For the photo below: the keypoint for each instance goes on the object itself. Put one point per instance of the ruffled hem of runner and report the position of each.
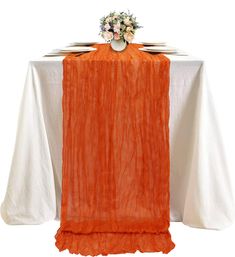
(113, 243)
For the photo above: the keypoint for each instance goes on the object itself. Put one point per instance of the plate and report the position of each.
(82, 43)
(155, 49)
(55, 54)
(77, 49)
(153, 43)
(160, 48)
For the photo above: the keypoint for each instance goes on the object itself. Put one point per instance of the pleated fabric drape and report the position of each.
(115, 185)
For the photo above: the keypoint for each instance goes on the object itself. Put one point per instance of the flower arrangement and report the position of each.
(118, 26)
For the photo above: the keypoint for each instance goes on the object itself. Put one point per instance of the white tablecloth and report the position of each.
(201, 193)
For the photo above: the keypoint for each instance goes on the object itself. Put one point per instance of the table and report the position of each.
(201, 193)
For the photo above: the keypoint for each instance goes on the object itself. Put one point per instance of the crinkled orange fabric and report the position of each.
(115, 186)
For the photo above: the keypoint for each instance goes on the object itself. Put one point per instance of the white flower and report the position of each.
(128, 36)
(123, 26)
(107, 26)
(107, 35)
(129, 29)
(127, 21)
(108, 19)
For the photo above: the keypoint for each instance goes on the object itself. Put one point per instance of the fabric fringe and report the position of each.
(113, 243)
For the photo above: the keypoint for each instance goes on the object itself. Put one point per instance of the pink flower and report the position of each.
(116, 36)
(107, 35)
(128, 36)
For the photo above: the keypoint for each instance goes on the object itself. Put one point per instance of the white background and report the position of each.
(30, 28)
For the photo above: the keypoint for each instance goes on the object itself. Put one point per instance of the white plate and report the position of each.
(153, 43)
(178, 53)
(55, 54)
(82, 43)
(77, 49)
(159, 49)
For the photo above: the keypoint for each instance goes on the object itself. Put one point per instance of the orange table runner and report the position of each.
(115, 186)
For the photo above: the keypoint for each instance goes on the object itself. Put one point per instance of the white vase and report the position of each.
(118, 45)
